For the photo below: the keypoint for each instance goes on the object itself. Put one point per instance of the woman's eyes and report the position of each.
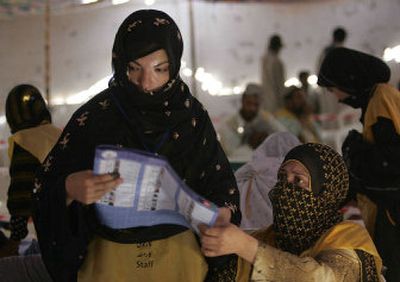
(133, 68)
(162, 70)
(157, 69)
(300, 182)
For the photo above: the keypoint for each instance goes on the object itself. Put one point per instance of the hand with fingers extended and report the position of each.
(227, 239)
(87, 188)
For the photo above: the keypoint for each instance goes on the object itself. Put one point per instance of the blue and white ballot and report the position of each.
(151, 193)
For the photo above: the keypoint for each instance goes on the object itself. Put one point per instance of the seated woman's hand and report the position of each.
(229, 239)
(87, 188)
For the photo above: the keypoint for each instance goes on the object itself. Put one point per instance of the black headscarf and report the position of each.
(144, 32)
(301, 217)
(141, 33)
(353, 72)
(25, 108)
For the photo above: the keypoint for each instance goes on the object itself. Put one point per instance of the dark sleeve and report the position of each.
(368, 267)
(63, 231)
(208, 173)
(375, 166)
(22, 173)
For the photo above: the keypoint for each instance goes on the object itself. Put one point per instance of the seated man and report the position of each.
(246, 129)
(296, 116)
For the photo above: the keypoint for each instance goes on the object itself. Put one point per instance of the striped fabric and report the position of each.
(19, 203)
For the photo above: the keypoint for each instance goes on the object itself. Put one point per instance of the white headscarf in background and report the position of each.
(257, 177)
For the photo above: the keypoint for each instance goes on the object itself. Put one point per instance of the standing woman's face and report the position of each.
(150, 72)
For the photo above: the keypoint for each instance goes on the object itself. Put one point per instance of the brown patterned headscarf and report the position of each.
(301, 216)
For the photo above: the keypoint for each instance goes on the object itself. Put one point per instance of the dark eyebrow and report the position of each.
(162, 63)
(158, 65)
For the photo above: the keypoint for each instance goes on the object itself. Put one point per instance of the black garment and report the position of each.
(375, 168)
(387, 241)
(375, 171)
(19, 196)
(22, 175)
(191, 148)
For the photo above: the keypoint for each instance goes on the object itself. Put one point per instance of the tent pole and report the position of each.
(192, 49)
(47, 65)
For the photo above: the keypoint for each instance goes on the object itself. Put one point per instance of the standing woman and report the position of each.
(148, 107)
(373, 156)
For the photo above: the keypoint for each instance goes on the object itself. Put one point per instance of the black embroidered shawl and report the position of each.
(171, 119)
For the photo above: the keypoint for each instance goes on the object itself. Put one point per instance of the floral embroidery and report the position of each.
(175, 135)
(37, 186)
(169, 85)
(82, 119)
(64, 141)
(47, 164)
(168, 113)
(104, 104)
(133, 25)
(187, 103)
(160, 21)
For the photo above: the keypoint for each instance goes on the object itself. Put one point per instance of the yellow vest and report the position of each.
(177, 258)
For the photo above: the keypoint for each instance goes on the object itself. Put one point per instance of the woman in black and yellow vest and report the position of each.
(146, 107)
(33, 136)
(308, 240)
(373, 156)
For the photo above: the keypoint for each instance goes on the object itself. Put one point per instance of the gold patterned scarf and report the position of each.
(301, 216)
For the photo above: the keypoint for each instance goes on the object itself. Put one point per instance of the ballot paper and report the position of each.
(151, 193)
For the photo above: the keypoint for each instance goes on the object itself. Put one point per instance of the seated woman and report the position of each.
(308, 240)
(257, 177)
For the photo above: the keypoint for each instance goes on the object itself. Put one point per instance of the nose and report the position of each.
(145, 82)
(290, 178)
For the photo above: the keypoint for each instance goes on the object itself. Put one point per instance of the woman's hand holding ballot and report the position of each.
(87, 188)
(226, 238)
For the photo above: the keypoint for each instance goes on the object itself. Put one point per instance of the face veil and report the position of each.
(301, 216)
